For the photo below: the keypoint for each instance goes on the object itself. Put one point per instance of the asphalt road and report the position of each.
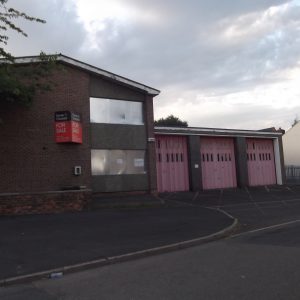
(254, 207)
(264, 264)
(36, 243)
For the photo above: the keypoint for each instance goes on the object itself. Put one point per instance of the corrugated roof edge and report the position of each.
(203, 130)
(92, 69)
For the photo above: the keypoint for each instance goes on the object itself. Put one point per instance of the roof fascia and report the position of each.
(208, 131)
(92, 69)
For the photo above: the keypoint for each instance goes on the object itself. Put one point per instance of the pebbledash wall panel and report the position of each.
(172, 163)
(261, 162)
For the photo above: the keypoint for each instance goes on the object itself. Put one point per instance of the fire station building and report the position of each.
(209, 158)
(93, 133)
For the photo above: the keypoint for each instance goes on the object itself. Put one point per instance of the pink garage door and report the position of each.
(217, 163)
(171, 163)
(261, 164)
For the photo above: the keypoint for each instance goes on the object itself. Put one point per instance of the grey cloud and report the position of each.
(61, 34)
(192, 52)
(184, 50)
(203, 9)
(248, 116)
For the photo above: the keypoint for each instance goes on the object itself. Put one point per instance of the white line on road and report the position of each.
(265, 228)
(258, 203)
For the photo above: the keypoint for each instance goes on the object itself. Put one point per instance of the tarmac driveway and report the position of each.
(41, 242)
(254, 207)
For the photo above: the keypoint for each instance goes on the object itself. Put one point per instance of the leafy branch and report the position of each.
(7, 17)
(19, 83)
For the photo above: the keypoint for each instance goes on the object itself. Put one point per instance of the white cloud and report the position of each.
(218, 63)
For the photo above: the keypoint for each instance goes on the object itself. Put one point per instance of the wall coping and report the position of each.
(47, 192)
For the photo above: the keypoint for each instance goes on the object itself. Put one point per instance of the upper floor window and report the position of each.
(116, 111)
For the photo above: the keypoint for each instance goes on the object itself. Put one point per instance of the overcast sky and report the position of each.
(218, 63)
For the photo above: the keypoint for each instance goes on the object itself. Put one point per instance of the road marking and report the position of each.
(258, 203)
(252, 200)
(265, 228)
(195, 196)
(220, 198)
(222, 211)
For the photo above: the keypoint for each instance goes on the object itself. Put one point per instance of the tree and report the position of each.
(171, 121)
(18, 84)
(7, 15)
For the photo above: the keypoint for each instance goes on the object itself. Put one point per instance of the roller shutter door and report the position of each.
(217, 163)
(261, 163)
(171, 163)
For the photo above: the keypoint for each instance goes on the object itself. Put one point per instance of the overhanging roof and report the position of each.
(92, 69)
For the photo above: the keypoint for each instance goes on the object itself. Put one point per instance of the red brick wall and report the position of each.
(30, 160)
(40, 203)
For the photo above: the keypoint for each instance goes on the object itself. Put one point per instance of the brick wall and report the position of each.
(32, 164)
(40, 203)
(30, 160)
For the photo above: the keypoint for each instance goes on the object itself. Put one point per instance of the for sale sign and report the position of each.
(68, 128)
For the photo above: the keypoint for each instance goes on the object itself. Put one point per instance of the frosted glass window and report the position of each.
(116, 111)
(117, 162)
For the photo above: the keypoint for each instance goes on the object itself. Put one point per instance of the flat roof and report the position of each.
(92, 69)
(214, 131)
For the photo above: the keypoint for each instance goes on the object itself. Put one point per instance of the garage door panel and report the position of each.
(218, 163)
(261, 162)
(172, 163)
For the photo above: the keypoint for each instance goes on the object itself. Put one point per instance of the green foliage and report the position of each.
(7, 16)
(19, 83)
(170, 121)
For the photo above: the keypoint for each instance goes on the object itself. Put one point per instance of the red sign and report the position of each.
(68, 132)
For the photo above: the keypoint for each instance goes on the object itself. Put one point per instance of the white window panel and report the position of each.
(116, 111)
(117, 162)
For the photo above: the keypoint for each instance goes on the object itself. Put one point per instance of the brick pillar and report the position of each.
(194, 163)
(241, 162)
(151, 157)
(282, 160)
